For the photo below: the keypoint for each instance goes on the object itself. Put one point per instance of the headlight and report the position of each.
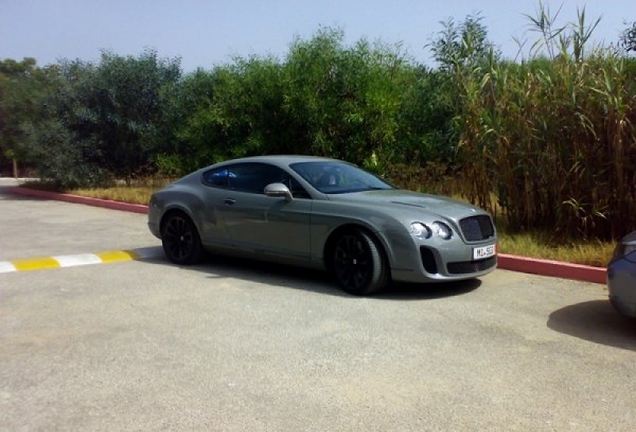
(441, 230)
(418, 229)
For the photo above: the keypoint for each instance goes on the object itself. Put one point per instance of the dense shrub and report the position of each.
(548, 142)
(100, 122)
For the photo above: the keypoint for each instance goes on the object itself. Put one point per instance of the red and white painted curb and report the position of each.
(504, 261)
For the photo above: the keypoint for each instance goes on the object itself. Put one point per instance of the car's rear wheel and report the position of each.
(180, 239)
(358, 263)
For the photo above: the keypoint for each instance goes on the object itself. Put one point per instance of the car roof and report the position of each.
(279, 159)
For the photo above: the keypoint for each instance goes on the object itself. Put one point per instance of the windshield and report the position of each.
(333, 177)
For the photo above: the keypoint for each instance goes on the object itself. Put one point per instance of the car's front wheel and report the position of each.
(358, 263)
(180, 240)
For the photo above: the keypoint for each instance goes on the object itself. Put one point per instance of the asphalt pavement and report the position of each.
(231, 345)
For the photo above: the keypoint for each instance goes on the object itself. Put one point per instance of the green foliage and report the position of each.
(425, 130)
(104, 120)
(628, 37)
(549, 142)
(464, 45)
(321, 93)
(185, 104)
(231, 111)
(326, 98)
(61, 159)
(368, 103)
(120, 108)
(22, 86)
(570, 39)
(553, 138)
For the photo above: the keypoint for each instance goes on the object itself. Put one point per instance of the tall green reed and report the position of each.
(552, 137)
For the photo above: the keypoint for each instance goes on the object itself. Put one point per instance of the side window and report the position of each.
(218, 177)
(252, 177)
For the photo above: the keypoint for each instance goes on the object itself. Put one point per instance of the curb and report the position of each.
(505, 262)
(61, 261)
(76, 199)
(552, 268)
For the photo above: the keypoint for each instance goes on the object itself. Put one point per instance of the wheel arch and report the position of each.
(176, 209)
(181, 241)
(330, 243)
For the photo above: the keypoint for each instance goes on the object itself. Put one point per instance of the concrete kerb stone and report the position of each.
(552, 268)
(504, 261)
(76, 199)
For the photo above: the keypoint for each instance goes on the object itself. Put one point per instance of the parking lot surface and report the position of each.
(231, 345)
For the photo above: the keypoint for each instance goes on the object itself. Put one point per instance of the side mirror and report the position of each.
(278, 190)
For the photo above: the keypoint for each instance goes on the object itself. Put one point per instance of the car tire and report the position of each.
(180, 240)
(358, 263)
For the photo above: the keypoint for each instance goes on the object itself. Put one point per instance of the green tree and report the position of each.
(367, 103)
(344, 101)
(23, 85)
(426, 132)
(232, 111)
(186, 104)
(463, 45)
(105, 122)
(62, 142)
(124, 105)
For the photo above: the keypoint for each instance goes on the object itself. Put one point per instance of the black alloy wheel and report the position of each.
(358, 264)
(180, 240)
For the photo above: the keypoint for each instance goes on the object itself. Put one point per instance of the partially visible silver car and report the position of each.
(621, 276)
(326, 214)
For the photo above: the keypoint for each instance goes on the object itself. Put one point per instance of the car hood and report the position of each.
(402, 200)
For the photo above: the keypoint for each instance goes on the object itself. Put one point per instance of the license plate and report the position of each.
(484, 252)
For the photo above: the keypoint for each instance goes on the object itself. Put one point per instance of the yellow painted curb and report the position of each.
(35, 264)
(114, 256)
(61, 261)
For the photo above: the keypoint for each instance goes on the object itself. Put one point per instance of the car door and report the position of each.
(261, 224)
(214, 229)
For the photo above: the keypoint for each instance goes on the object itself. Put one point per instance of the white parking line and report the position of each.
(6, 266)
(77, 260)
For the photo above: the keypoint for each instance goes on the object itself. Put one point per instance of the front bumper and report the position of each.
(437, 260)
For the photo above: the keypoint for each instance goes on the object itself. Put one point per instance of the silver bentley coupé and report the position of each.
(322, 213)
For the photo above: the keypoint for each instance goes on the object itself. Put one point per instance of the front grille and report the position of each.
(476, 228)
(471, 266)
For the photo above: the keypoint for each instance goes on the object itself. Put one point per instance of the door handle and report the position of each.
(229, 201)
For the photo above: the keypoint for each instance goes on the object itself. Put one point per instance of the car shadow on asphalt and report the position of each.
(432, 291)
(315, 280)
(595, 321)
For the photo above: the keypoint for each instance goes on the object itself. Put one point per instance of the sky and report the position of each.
(213, 32)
